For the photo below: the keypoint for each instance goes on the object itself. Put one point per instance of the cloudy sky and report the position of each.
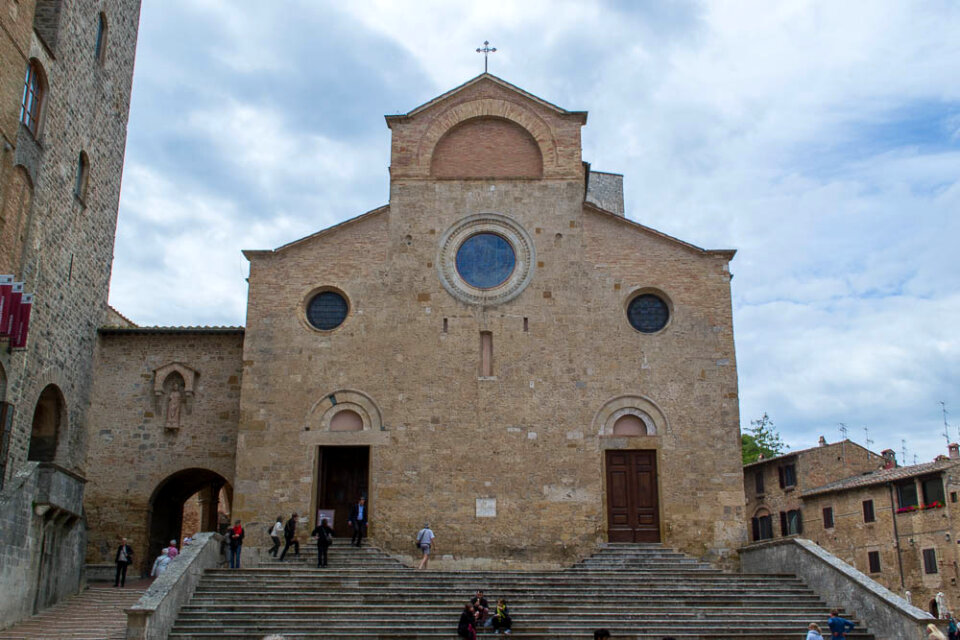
(820, 139)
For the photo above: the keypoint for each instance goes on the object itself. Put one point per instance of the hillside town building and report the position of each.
(897, 525)
(66, 70)
(498, 350)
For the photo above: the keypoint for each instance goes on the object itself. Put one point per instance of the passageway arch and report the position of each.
(165, 519)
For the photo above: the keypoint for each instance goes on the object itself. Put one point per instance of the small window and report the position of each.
(873, 559)
(828, 517)
(101, 47)
(763, 527)
(83, 170)
(930, 561)
(34, 90)
(932, 490)
(953, 496)
(907, 495)
(486, 354)
(788, 476)
(868, 515)
(758, 479)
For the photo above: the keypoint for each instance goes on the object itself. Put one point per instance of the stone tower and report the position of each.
(66, 69)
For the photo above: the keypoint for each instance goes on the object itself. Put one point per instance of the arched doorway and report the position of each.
(48, 421)
(167, 502)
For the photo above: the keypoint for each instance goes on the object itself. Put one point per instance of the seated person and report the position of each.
(481, 609)
(501, 618)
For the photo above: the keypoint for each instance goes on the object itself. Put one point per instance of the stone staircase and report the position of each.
(636, 591)
(96, 613)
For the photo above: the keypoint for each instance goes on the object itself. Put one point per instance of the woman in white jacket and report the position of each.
(275, 533)
(160, 564)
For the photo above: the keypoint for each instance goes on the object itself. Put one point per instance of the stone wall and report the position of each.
(66, 253)
(885, 614)
(526, 439)
(131, 437)
(899, 538)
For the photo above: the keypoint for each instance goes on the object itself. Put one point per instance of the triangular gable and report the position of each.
(728, 253)
(248, 253)
(492, 78)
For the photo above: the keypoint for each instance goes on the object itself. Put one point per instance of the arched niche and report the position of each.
(629, 416)
(345, 410)
(489, 108)
(49, 417)
(487, 147)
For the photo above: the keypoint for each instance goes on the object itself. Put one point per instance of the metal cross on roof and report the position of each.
(486, 50)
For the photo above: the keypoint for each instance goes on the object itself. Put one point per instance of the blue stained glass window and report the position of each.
(327, 310)
(485, 260)
(648, 313)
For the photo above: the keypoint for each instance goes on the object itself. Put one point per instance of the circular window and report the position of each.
(327, 310)
(648, 313)
(485, 260)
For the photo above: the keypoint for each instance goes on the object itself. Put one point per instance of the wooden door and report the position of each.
(633, 513)
(343, 479)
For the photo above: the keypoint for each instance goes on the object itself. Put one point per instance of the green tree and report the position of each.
(761, 438)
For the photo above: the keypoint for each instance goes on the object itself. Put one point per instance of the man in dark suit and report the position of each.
(358, 520)
(124, 559)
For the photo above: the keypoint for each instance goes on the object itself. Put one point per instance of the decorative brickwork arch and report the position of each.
(629, 412)
(489, 108)
(487, 148)
(325, 413)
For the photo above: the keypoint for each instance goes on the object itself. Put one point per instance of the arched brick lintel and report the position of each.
(489, 108)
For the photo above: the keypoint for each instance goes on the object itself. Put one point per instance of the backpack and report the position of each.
(327, 537)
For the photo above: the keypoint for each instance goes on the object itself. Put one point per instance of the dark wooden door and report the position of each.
(633, 513)
(343, 479)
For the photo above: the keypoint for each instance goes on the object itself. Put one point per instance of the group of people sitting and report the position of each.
(476, 614)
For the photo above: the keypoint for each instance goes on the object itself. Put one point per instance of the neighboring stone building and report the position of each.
(163, 421)
(898, 525)
(66, 70)
(498, 350)
(773, 487)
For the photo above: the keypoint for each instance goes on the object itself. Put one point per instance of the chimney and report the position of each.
(889, 459)
(823, 441)
(954, 450)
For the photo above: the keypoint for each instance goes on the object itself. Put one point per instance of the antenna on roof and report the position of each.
(843, 439)
(903, 450)
(946, 430)
(866, 437)
(914, 459)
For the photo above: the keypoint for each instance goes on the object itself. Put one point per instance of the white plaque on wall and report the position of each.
(486, 507)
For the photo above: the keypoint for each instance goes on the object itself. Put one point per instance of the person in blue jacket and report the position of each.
(838, 626)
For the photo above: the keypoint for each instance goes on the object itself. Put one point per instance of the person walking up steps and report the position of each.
(275, 532)
(425, 540)
(290, 537)
(324, 535)
(838, 626)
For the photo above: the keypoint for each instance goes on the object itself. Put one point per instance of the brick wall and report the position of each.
(487, 148)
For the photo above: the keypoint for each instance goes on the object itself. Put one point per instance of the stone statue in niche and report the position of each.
(174, 402)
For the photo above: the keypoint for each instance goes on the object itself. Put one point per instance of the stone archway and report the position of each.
(165, 516)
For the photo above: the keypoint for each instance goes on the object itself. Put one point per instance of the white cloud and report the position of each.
(819, 138)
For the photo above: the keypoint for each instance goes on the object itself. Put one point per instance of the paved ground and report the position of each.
(94, 614)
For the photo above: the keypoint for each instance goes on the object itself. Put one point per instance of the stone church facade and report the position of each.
(498, 351)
